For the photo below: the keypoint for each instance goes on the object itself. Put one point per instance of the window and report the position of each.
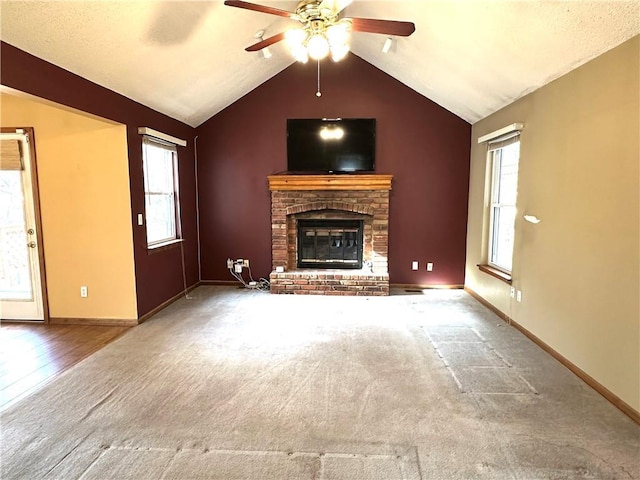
(159, 162)
(504, 156)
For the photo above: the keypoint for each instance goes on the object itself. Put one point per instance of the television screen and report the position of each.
(341, 145)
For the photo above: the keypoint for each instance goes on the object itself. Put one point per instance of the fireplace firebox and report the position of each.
(330, 243)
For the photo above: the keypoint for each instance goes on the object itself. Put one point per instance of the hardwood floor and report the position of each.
(32, 354)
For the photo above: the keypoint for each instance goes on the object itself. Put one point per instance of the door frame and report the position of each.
(35, 192)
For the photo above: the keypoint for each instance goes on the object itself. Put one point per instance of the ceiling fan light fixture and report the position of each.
(300, 54)
(295, 37)
(319, 38)
(318, 46)
(322, 32)
(339, 52)
(338, 34)
(317, 41)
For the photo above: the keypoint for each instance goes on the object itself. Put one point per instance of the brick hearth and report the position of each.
(364, 197)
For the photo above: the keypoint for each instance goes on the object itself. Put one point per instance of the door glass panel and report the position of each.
(15, 271)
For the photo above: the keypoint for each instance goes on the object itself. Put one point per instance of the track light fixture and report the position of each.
(266, 53)
(387, 45)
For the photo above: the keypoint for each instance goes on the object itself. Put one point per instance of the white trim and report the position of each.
(172, 194)
(496, 157)
(27, 308)
(164, 243)
(162, 136)
(514, 127)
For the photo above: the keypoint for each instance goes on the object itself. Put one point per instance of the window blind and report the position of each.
(149, 140)
(162, 136)
(501, 133)
(10, 158)
(504, 141)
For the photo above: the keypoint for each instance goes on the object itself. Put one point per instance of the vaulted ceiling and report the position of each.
(186, 59)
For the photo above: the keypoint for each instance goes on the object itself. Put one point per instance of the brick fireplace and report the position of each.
(362, 198)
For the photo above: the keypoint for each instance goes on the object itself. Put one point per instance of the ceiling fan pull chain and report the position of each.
(318, 93)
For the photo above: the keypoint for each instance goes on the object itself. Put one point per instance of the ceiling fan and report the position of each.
(322, 31)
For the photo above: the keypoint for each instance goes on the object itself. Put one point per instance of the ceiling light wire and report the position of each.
(318, 92)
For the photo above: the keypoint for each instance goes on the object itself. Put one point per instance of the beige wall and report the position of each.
(579, 173)
(86, 210)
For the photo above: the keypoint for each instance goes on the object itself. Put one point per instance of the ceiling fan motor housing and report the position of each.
(310, 10)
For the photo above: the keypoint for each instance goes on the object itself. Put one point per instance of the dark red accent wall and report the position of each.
(423, 145)
(158, 276)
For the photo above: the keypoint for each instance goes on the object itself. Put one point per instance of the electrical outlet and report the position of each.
(229, 263)
(245, 262)
(519, 296)
(238, 268)
(513, 292)
(84, 291)
(430, 267)
(414, 265)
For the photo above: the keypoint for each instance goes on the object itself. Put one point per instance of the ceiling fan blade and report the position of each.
(259, 8)
(265, 43)
(386, 27)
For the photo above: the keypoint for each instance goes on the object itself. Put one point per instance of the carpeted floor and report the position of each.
(237, 384)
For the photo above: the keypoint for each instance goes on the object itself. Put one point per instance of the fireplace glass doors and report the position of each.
(330, 243)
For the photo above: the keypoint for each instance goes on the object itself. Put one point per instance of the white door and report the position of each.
(21, 296)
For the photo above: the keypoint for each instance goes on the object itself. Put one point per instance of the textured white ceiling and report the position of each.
(186, 58)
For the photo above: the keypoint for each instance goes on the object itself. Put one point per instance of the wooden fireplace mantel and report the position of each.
(330, 182)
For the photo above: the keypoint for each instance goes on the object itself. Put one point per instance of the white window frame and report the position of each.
(171, 193)
(495, 153)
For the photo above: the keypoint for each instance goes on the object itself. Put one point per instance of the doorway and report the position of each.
(22, 284)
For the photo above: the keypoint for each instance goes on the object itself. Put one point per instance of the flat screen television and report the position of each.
(338, 145)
